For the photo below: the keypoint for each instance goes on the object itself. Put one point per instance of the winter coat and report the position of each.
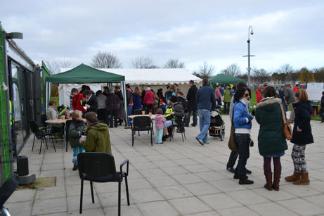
(192, 98)
(98, 139)
(92, 102)
(137, 99)
(178, 109)
(148, 98)
(184, 103)
(76, 128)
(77, 102)
(303, 111)
(101, 101)
(112, 102)
(206, 98)
(271, 139)
(289, 95)
(241, 116)
(258, 95)
(129, 97)
(227, 96)
(159, 121)
(218, 94)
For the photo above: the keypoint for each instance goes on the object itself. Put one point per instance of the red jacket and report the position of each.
(296, 89)
(258, 95)
(77, 102)
(148, 98)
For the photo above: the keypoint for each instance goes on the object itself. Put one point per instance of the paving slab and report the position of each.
(176, 178)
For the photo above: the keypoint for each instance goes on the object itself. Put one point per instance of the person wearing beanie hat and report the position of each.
(97, 139)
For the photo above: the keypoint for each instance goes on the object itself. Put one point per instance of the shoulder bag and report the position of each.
(286, 126)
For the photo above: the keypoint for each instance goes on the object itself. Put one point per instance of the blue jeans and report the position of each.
(204, 122)
(129, 112)
(158, 135)
(76, 150)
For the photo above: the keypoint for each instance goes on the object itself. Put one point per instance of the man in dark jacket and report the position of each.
(91, 101)
(192, 104)
(205, 103)
(112, 105)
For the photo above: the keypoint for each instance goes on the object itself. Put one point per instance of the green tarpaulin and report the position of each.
(85, 74)
(225, 79)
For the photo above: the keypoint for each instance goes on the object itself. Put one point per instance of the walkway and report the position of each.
(176, 178)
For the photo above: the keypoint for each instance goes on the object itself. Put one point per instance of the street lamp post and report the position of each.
(250, 32)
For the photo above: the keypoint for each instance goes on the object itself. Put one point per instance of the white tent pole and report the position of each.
(122, 83)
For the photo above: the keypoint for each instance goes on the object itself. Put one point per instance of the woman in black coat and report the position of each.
(302, 135)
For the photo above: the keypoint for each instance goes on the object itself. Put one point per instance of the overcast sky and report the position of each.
(212, 31)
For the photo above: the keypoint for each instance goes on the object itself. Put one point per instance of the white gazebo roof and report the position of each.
(156, 76)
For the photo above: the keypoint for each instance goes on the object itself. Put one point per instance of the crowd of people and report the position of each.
(103, 109)
(270, 114)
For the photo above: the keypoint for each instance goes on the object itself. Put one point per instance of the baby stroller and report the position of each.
(217, 125)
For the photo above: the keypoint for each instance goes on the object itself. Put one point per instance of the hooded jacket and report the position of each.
(98, 139)
(271, 139)
(302, 119)
(75, 131)
(241, 117)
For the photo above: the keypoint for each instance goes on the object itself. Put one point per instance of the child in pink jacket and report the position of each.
(159, 125)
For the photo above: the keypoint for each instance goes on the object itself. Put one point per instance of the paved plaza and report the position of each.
(176, 178)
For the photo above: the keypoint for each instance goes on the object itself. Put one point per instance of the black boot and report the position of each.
(245, 181)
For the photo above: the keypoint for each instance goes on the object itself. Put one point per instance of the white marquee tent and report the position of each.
(156, 78)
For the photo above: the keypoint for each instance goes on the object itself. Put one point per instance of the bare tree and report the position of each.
(205, 71)
(174, 63)
(55, 66)
(105, 60)
(261, 75)
(286, 68)
(143, 62)
(232, 70)
(286, 71)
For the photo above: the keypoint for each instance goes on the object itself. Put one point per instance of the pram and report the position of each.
(217, 125)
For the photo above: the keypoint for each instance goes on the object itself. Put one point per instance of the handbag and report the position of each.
(286, 126)
(231, 141)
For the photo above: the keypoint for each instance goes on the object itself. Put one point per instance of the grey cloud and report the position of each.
(194, 31)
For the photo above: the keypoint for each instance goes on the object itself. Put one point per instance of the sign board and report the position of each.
(314, 91)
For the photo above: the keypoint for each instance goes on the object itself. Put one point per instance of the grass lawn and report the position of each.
(316, 118)
(253, 98)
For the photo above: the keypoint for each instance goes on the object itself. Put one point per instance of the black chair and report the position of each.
(41, 134)
(142, 123)
(178, 127)
(100, 167)
(137, 112)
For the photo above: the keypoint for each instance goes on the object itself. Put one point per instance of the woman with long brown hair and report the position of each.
(302, 135)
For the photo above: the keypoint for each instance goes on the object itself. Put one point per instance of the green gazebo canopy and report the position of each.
(85, 74)
(225, 79)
